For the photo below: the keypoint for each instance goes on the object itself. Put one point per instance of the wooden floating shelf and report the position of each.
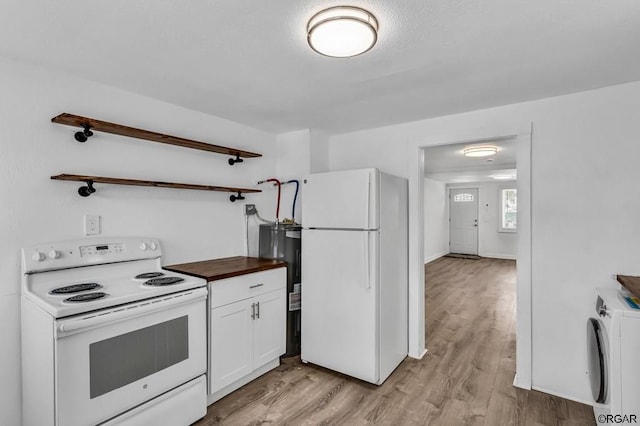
(85, 191)
(118, 129)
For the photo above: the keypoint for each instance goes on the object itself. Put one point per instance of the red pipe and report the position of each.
(277, 182)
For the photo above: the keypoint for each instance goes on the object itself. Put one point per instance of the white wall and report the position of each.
(292, 163)
(436, 220)
(192, 225)
(584, 206)
(491, 243)
(319, 151)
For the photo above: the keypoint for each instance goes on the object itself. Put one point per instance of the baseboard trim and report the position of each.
(561, 395)
(499, 256)
(420, 356)
(435, 257)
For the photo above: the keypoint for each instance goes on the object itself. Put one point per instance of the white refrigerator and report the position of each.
(355, 272)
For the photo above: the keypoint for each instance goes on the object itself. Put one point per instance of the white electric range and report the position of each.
(108, 337)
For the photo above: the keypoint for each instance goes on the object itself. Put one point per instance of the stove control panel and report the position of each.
(101, 249)
(89, 251)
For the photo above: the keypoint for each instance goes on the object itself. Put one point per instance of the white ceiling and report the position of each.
(447, 163)
(248, 60)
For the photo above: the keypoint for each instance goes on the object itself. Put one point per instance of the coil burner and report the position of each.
(75, 288)
(163, 281)
(87, 297)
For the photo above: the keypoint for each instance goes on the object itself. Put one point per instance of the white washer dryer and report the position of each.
(613, 342)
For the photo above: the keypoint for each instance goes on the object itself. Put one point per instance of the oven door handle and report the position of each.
(131, 311)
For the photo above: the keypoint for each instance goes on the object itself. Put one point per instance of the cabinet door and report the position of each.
(231, 343)
(269, 327)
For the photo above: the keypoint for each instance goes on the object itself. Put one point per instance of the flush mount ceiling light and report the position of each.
(342, 31)
(503, 177)
(480, 151)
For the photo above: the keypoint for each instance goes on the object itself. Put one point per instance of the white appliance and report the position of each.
(355, 272)
(613, 341)
(108, 337)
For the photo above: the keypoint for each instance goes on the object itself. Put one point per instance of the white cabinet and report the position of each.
(231, 343)
(247, 328)
(269, 335)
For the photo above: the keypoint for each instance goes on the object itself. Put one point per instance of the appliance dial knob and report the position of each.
(38, 257)
(54, 254)
(153, 246)
(143, 246)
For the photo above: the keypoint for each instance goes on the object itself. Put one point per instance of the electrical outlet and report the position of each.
(250, 209)
(91, 224)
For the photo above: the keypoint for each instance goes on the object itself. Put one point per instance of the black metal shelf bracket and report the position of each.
(233, 161)
(233, 198)
(83, 135)
(85, 191)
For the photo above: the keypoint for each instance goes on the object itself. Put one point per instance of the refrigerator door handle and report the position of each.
(367, 209)
(367, 259)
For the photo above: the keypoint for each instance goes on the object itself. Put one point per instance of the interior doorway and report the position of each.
(432, 241)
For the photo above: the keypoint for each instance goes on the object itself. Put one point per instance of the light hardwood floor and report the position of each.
(465, 378)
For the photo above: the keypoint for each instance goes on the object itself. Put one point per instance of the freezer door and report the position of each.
(340, 301)
(343, 200)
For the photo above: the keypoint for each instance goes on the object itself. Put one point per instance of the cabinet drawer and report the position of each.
(230, 290)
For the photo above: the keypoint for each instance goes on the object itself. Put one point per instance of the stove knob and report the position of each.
(153, 246)
(143, 246)
(38, 257)
(54, 254)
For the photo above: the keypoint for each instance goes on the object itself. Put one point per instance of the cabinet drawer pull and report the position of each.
(256, 285)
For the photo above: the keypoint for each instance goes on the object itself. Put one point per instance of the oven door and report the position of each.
(110, 361)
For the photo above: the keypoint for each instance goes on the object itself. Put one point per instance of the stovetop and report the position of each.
(87, 281)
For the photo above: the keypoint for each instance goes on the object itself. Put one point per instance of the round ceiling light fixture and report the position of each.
(342, 31)
(480, 151)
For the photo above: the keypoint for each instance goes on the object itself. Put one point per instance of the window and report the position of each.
(508, 210)
(462, 198)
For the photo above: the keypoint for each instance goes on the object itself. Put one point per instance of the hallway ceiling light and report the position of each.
(503, 177)
(480, 151)
(342, 31)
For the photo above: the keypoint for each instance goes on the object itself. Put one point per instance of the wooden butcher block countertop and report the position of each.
(217, 269)
(630, 283)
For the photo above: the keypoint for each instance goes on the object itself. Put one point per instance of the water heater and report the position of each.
(283, 242)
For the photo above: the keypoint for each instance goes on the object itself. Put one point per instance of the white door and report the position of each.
(231, 343)
(339, 302)
(269, 327)
(341, 200)
(463, 221)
